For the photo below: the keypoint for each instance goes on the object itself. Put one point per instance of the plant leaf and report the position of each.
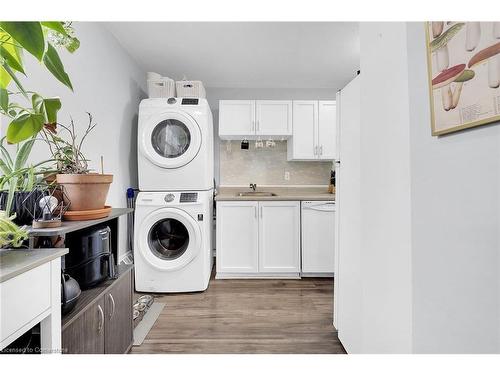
(5, 78)
(74, 45)
(47, 107)
(4, 100)
(28, 34)
(23, 154)
(10, 195)
(14, 78)
(52, 106)
(54, 64)
(10, 52)
(24, 126)
(6, 156)
(55, 25)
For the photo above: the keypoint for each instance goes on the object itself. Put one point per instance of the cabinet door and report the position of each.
(305, 126)
(274, 117)
(327, 130)
(86, 334)
(118, 313)
(236, 118)
(279, 237)
(237, 237)
(318, 237)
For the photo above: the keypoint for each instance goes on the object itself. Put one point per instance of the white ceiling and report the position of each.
(246, 54)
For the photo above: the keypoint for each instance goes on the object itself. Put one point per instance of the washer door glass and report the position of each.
(168, 239)
(171, 138)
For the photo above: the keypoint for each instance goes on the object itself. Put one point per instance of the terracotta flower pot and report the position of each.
(85, 191)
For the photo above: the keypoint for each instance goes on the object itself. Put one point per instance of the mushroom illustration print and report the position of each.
(440, 45)
(443, 81)
(466, 75)
(472, 35)
(437, 29)
(491, 55)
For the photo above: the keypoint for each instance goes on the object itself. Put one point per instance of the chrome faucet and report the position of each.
(253, 187)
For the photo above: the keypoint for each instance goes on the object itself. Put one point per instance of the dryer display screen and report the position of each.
(188, 197)
(189, 101)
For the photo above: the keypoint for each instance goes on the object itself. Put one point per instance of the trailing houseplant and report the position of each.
(11, 235)
(40, 40)
(17, 182)
(85, 190)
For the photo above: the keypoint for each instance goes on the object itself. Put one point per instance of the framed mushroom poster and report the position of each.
(464, 73)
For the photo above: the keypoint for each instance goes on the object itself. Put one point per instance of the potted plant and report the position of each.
(10, 234)
(86, 191)
(18, 194)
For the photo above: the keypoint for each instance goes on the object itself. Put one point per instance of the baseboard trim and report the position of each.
(277, 276)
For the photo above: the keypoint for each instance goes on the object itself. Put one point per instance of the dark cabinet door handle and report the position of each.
(112, 304)
(101, 318)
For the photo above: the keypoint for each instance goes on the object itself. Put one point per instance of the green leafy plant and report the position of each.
(67, 153)
(11, 235)
(39, 39)
(16, 175)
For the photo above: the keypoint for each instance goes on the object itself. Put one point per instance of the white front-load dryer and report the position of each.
(172, 241)
(175, 145)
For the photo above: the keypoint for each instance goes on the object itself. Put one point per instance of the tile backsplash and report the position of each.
(267, 166)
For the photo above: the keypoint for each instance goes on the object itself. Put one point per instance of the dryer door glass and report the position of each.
(171, 138)
(168, 239)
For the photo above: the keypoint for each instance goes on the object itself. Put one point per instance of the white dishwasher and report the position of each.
(318, 238)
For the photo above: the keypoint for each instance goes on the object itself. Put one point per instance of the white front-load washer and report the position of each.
(173, 232)
(175, 145)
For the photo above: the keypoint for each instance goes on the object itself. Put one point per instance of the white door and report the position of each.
(305, 125)
(237, 237)
(170, 139)
(348, 288)
(274, 117)
(279, 237)
(169, 238)
(318, 237)
(236, 117)
(327, 129)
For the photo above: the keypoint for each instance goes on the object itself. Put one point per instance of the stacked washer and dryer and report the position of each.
(173, 215)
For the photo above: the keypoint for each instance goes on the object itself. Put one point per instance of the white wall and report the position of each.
(385, 189)
(108, 83)
(214, 94)
(430, 212)
(455, 225)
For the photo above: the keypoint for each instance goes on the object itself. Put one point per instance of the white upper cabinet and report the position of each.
(305, 126)
(250, 119)
(327, 130)
(314, 130)
(274, 117)
(236, 118)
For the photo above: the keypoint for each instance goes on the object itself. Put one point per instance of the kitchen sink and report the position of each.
(256, 194)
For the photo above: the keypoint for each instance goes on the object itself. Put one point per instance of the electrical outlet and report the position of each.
(287, 176)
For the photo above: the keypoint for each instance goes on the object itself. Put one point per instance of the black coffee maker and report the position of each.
(90, 259)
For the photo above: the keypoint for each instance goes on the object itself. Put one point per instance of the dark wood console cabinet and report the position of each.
(101, 322)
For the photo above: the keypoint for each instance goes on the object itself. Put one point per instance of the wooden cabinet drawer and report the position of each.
(22, 300)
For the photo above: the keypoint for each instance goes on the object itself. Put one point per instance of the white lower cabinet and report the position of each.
(237, 237)
(258, 239)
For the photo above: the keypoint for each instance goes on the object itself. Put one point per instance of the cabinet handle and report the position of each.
(101, 318)
(315, 150)
(321, 150)
(112, 304)
(258, 125)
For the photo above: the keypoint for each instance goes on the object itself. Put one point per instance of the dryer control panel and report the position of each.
(188, 197)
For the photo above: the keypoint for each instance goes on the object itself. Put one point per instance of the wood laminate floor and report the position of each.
(247, 316)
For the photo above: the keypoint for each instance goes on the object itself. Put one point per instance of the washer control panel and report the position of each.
(188, 197)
